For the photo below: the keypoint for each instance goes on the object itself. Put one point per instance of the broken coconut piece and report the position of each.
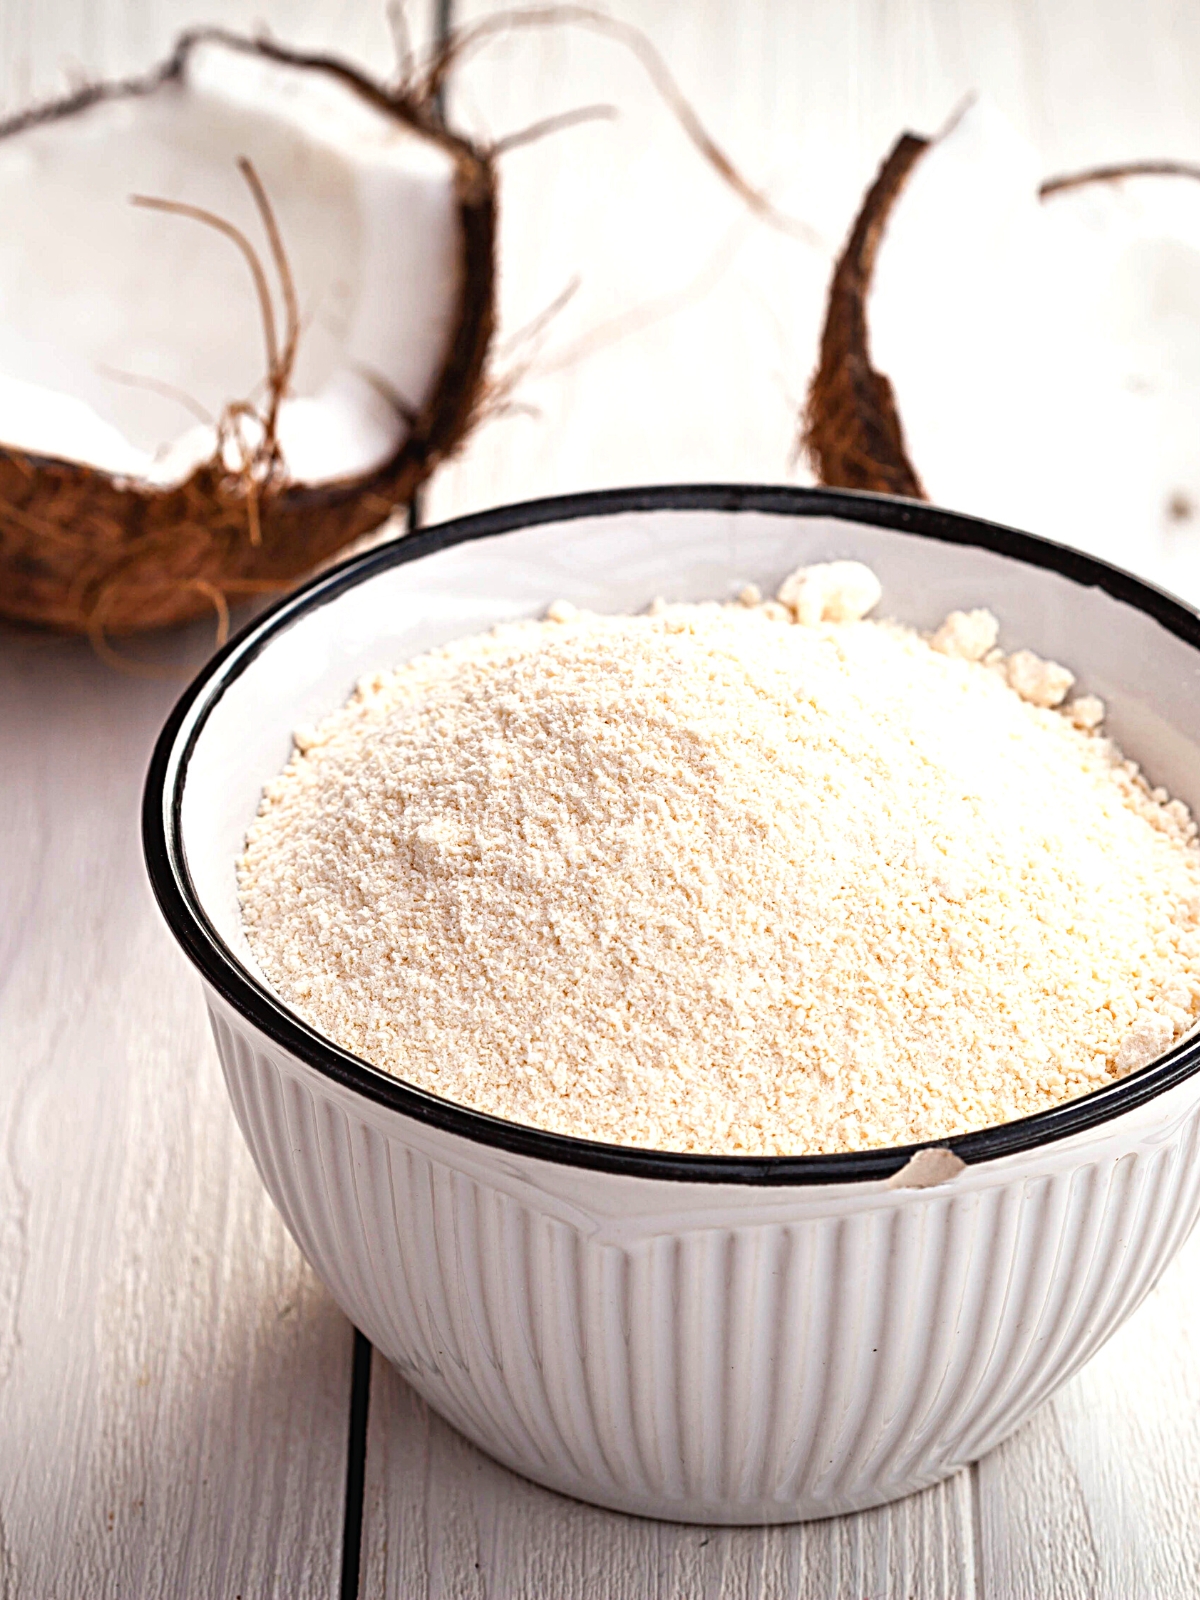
(830, 591)
(1042, 683)
(1149, 1037)
(162, 440)
(1062, 316)
(851, 429)
(968, 635)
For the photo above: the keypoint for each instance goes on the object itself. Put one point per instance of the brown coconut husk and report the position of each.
(1113, 174)
(83, 551)
(851, 429)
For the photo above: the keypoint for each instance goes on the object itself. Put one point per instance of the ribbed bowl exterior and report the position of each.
(731, 1353)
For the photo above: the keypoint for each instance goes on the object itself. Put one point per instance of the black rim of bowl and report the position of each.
(173, 888)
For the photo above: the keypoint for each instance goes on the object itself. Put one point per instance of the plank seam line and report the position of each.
(356, 1465)
(360, 1370)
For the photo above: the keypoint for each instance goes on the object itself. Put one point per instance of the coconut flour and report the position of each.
(761, 877)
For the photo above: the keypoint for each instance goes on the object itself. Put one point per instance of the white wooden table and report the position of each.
(176, 1395)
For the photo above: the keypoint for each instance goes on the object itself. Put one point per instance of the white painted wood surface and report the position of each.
(173, 1381)
(174, 1384)
(1100, 1494)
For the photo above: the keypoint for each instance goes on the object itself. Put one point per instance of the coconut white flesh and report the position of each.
(95, 292)
(1045, 355)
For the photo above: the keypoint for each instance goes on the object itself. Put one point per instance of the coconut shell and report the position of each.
(851, 429)
(83, 551)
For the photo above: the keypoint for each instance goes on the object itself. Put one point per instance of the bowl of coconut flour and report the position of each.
(709, 975)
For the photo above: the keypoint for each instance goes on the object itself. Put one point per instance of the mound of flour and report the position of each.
(717, 879)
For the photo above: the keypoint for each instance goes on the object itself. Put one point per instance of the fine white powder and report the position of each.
(716, 879)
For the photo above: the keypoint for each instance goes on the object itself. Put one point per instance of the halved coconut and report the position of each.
(1039, 345)
(149, 467)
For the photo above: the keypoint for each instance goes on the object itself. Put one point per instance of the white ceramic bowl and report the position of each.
(711, 1339)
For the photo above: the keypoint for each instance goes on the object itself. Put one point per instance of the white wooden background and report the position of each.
(174, 1383)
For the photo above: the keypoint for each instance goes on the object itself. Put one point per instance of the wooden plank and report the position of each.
(682, 356)
(174, 1383)
(686, 350)
(683, 350)
(1099, 1495)
(690, 299)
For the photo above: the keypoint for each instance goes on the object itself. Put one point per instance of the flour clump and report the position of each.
(714, 879)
